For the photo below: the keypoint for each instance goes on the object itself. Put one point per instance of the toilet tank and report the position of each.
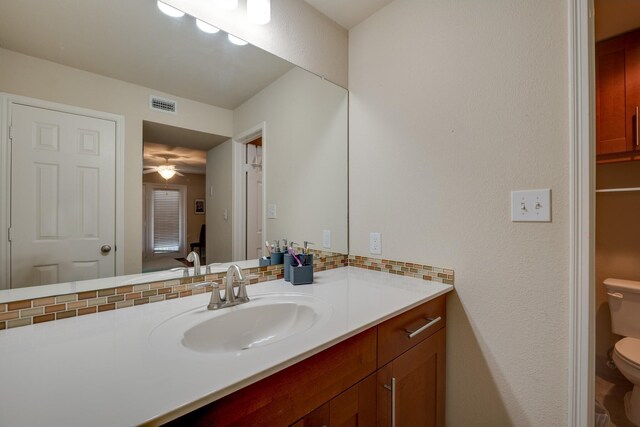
(624, 303)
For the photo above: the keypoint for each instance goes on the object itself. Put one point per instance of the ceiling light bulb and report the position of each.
(259, 11)
(236, 40)
(170, 10)
(167, 172)
(226, 4)
(207, 28)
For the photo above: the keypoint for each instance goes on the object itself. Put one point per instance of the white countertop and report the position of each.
(102, 370)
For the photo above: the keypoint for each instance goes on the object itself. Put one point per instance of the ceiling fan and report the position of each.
(167, 171)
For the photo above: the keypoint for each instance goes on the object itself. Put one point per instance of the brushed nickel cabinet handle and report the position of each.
(430, 322)
(392, 387)
(637, 130)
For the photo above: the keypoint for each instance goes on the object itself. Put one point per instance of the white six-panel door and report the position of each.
(62, 197)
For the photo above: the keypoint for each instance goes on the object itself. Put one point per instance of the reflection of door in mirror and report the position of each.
(62, 194)
(254, 202)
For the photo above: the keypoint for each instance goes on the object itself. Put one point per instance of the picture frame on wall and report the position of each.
(198, 207)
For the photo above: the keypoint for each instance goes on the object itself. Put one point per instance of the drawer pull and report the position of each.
(392, 389)
(430, 322)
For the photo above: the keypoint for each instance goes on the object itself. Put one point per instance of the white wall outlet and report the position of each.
(326, 239)
(271, 211)
(531, 206)
(375, 243)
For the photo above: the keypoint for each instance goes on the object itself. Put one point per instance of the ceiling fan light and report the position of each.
(206, 28)
(259, 11)
(226, 4)
(170, 10)
(236, 40)
(167, 172)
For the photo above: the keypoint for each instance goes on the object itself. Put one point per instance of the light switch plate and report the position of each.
(271, 211)
(326, 239)
(531, 206)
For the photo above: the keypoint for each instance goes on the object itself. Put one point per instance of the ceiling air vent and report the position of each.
(163, 104)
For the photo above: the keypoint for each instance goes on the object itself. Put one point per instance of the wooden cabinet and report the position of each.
(393, 371)
(618, 98)
(410, 389)
(355, 407)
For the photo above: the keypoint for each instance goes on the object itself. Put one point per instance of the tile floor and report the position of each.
(611, 387)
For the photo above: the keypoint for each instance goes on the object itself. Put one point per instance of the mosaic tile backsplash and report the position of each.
(28, 312)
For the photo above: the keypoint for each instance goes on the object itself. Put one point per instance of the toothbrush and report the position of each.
(306, 249)
(268, 247)
(293, 254)
(277, 245)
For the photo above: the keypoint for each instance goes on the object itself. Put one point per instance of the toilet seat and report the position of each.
(629, 350)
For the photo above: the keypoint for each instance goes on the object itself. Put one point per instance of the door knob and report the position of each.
(105, 249)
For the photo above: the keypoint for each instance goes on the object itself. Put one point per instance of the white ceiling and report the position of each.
(184, 148)
(135, 42)
(348, 13)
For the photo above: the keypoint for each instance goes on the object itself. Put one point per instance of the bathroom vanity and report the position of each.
(344, 356)
(384, 376)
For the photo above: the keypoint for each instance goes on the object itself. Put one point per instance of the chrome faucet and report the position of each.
(234, 275)
(195, 259)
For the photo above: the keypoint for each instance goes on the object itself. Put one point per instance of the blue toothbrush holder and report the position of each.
(277, 258)
(263, 262)
(288, 261)
(301, 275)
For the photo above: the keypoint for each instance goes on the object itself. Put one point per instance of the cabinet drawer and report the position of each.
(399, 334)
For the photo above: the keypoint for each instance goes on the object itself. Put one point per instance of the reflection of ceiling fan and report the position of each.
(167, 171)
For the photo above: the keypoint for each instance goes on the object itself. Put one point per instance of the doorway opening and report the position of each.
(617, 197)
(249, 193)
(174, 179)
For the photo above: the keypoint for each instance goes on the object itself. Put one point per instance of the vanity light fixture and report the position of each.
(259, 11)
(167, 172)
(206, 28)
(170, 10)
(236, 40)
(226, 4)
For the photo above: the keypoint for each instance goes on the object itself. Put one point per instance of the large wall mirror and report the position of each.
(130, 138)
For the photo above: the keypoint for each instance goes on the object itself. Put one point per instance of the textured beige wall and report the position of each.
(36, 78)
(297, 32)
(617, 244)
(305, 156)
(220, 179)
(454, 104)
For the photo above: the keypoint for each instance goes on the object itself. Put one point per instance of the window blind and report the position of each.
(166, 220)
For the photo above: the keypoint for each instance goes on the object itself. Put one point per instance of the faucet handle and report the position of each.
(216, 300)
(185, 271)
(207, 283)
(242, 290)
(207, 270)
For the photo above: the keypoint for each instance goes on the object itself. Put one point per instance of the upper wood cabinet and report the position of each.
(618, 98)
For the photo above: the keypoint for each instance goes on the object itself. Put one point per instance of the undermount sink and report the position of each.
(264, 320)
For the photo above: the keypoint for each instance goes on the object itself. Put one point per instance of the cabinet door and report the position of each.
(612, 128)
(317, 418)
(355, 407)
(632, 81)
(410, 389)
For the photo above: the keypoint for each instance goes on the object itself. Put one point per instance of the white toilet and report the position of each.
(624, 302)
